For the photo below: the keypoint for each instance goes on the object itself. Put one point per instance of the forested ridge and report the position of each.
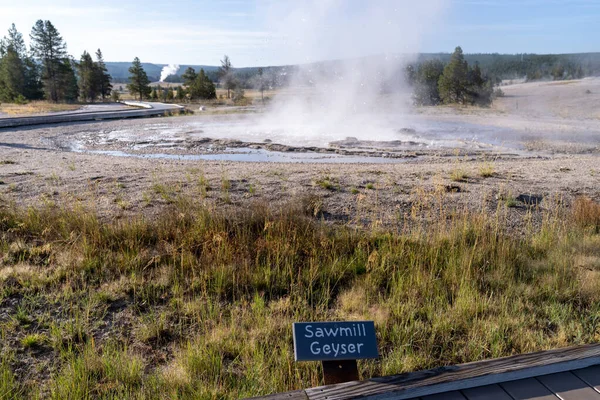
(47, 71)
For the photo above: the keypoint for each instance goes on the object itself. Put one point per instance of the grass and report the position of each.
(36, 107)
(198, 302)
(33, 341)
(459, 175)
(486, 170)
(328, 183)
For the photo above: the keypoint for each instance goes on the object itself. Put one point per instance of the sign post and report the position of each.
(337, 345)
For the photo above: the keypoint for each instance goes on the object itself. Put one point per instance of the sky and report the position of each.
(277, 32)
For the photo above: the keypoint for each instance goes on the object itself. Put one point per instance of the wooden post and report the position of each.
(339, 371)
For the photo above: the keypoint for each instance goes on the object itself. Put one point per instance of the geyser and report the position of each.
(362, 93)
(167, 70)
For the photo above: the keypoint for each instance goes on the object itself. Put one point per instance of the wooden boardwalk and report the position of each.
(569, 374)
(154, 109)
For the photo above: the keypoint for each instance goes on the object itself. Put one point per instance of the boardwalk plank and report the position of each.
(448, 379)
(297, 395)
(490, 392)
(569, 387)
(591, 376)
(445, 396)
(526, 389)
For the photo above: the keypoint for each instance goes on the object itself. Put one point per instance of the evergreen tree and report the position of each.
(49, 48)
(139, 84)
(189, 76)
(34, 88)
(15, 41)
(154, 95)
(475, 76)
(68, 90)
(170, 94)
(426, 79)
(12, 77)
(226, 75)
(114, 96)
(180, 93)
(453, 83)
(202, 87)
(19, 76)
(480, 89)
(103, 77)
(88, 78)
(261, 84)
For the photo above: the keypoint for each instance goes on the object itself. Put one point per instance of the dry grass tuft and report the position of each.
(36, 107)
(198, 302)
(586, 213)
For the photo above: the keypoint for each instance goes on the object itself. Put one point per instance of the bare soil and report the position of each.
(559, 158)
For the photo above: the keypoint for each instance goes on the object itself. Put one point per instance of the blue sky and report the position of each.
(274, 32)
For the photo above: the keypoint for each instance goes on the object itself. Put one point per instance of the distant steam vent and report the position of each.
(168, 70)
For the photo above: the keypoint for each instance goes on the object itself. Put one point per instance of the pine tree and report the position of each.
(426, 80)
(209, 91)
(139, 84)
(19, 78)
(14, 40)
(34, 88)
(189, 76)
(154, 95)
(261, 84)
(170, 94)
(114, 96)
(12, 77)
(480, 89)
(453, 83)
(49, 48)
(103, 77)
(68, 90)
(180, 93)
(226, 75)
(88, 78)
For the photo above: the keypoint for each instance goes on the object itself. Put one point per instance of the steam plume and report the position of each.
(363, 94)
(167, 70)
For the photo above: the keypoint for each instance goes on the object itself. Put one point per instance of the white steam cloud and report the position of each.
(167, 70)
(361, 95)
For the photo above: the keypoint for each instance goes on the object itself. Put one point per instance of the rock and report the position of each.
(407, 130)
(529, 199)
(453, 189)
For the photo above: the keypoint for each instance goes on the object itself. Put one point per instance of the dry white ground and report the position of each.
(558, 122)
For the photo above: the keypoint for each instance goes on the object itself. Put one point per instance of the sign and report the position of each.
(330, 341)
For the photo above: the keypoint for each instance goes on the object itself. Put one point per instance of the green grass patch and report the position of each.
(198, 302)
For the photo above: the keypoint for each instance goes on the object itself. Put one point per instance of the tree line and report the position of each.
(47, 71)
(196, 85)
(455, 82)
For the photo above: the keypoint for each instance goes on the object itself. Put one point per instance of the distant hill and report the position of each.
(499, 66)
(530, 66)
(119, 70)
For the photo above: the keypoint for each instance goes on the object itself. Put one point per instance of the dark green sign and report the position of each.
(328, 341)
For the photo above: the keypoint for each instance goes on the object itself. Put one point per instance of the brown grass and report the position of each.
(586, 213)
(36, 107)
(198, 302)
